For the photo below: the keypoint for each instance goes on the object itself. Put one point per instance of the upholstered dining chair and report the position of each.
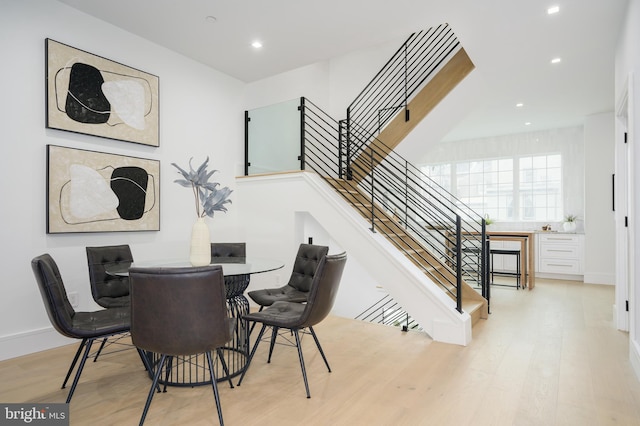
(87, 326)
(297, 288)
(109, 291)
(179, 311)
(299, 316)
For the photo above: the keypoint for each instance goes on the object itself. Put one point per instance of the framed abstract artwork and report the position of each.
(90, 191)
(89, 94)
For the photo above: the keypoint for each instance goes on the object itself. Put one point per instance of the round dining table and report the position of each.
(192, 370)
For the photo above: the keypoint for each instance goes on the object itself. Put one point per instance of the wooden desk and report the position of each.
(527, 250)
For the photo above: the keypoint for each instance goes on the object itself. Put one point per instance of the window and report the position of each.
(508, 189)
(540, 194)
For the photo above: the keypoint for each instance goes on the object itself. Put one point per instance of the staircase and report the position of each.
(441, 236)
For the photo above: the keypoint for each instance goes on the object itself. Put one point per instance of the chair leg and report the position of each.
(145, 362)
(224, 366)
(167, 370)
(253, 352)
(73, 363)
(313, 333)
(104, 342)
(254, 323)
(274, 334)
(156, 376)
(304, 371)
(215, 388)
(87, 349)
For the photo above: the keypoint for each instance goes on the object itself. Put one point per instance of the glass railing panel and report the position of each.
(273, 138)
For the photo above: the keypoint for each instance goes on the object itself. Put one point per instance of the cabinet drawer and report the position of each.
(560, 251)
(560, 239)
(560, 266)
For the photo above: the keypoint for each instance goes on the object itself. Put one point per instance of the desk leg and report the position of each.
(531, 255)
(524, 277)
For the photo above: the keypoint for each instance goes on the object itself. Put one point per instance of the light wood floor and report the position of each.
(550, 356)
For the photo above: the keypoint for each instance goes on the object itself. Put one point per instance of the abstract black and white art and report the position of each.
(93, 95)
(90, 191)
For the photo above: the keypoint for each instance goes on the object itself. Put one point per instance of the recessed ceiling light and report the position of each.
(528, 123)
(519, 105)
(556, 60)
(553, 9)
(256, 44)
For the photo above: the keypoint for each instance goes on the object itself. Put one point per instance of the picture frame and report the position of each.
(89, 94)
(90, 191)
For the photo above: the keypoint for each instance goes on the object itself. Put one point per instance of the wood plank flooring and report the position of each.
(550, 356)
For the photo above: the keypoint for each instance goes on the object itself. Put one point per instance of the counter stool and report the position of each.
(507, 252)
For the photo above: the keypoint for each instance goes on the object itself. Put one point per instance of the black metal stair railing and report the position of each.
(404, 74)
(387, 311)
(441, 235)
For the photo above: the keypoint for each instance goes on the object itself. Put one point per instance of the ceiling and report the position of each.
(511, 43)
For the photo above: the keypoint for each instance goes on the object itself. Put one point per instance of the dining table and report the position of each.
(192, 370)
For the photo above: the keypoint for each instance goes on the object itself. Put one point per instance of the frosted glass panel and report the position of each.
(273, 135)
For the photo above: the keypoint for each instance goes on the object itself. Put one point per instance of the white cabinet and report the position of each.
(560, 254)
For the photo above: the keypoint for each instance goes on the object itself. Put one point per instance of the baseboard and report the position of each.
(31, 341)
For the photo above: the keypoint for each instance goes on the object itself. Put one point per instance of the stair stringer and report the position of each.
(267, 220)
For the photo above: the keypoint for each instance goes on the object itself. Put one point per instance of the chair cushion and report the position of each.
(106, 321)
(280, 314)
(114, 302)
(267, 296)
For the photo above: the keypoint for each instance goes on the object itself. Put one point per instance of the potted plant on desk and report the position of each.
(208, 199)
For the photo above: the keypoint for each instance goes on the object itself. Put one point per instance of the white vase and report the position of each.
(200, 254)
(569, 226)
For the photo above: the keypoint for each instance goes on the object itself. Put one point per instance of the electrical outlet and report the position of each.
(73, 298)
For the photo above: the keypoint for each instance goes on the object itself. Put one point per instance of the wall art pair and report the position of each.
(89, 191)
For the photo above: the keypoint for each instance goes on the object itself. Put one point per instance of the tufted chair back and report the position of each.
(109, 291)
(228, 252)
(305, 266)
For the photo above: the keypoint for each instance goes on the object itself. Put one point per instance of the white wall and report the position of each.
(628, 63)
(599, 242)
(200, 115)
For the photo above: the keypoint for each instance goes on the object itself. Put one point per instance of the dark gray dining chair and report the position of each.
(179, 312)
(87, 326)
(297, 288)
(299, 316)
